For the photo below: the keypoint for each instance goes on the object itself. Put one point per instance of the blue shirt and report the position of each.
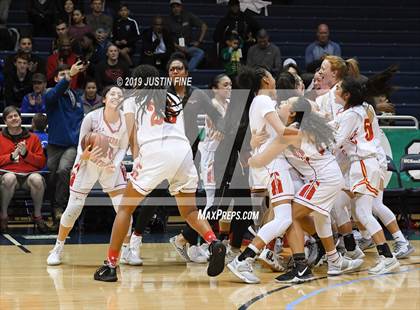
(315, 51)
(37, 108)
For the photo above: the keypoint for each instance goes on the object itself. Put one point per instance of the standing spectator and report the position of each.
(65, 12)
(125, 34)
(36, 63)
(98, 19)
(322, 46)
(90, 98)
(78, 28)
(181, 24)
(87, 50)
(61, 30)
(19, 82)
(265, 54)
(231, 56)
(64, 55)
(237, 22)
(21, 155)
(108, 71)
(41, 16)
(34, 102)
(65, 114)
(157, 45)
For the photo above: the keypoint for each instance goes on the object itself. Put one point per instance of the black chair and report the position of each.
(411, 162)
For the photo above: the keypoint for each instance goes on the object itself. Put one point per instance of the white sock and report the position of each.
(333, 257)
(399, 237)
(365, 234)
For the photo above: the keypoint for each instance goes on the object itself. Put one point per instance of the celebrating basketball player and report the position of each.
(103, 142)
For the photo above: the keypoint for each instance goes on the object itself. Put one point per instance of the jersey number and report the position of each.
(368, 130)
(276, 186)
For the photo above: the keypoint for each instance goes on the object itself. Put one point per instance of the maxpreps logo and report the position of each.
(227, 215)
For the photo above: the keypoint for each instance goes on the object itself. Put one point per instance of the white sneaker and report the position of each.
(243, 270)
(231, 253)
(344, 265)
(365, 244)
(357, 253)
(181, 249)
(199, 254)
(130, 256)
(55, 256)
(402, 249)
(269, 260)
(384, 265)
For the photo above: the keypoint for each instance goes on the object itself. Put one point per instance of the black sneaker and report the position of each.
(298, 274)
(321, 252)
(106, 273)
(217, 258)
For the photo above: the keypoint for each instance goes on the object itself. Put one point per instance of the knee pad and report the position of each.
(385, 215)
(278, 226)
(322, 225)
(259, 205)
(363, 210)
(73, 210)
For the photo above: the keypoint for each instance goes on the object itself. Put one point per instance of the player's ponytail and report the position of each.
(353, 67)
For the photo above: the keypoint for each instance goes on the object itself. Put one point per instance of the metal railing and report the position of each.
(399, 118)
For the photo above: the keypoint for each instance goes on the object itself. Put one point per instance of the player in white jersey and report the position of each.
(355, 137)
(93, 165)
(310, 156)
(164, 153)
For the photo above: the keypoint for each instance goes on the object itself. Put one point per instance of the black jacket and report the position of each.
(150, 46)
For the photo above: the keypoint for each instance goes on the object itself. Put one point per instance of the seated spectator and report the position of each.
(64, 55)
(231, 56)
(181, 23)
(36, 63)
(21, 155)
(61, 30)
(157, 45)
(102, 38)
(125, 34)
(41, 16)
(65, 12)
(19, 82)
(90, 98)
(108, 71)
(39, 127)
(322, 46)
(78, 28)
(264, 54)
(237, 22)
(34, 102)
(98, 19)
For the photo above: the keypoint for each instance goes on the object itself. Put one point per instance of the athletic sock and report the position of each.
(299, 259)
(399, 237)
(209, 236)
(384, 250)
(349, 242)
(333, 256)
(113, 257)
(250, 251)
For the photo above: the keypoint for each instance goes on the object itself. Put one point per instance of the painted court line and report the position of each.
(15, 242)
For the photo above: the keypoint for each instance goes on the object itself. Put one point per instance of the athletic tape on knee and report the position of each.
(363, 210)
(322, 225)
(278, 226)
(73, 210)
(385, 215)
(258, 205)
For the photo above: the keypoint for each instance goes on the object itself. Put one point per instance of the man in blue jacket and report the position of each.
(65, 115)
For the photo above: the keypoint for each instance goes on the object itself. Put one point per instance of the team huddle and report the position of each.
(318, 161)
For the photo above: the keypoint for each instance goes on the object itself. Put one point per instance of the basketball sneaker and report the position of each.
(357, 253)
(231, 252)
(106, 273)
(384, 265)
(216, 258)
(298, 274)
(129, 256)
(402, 249)
(181, 249)
(311, 251)
(269, 260)
(55, 256)
(365, 244)
(199, 254)
(244, 270)
(343, 265)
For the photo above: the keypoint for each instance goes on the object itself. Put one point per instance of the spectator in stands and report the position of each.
(231, 56)
(39, 126)
(98, 19)
(90, 98)
(21, 155)
(264, 54)
(78, 28)
(61, 30)
(108, 71)
(65, 114)
(237, 22)
(87, 49)
(322, 46)
(64, 55)
(36, 63)
(41, 16)
(157, 45)
(181, 23)
(65, 12)
(291, 66)
(125, 34)
(19, 82)
(102, 38)
(34, 102)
